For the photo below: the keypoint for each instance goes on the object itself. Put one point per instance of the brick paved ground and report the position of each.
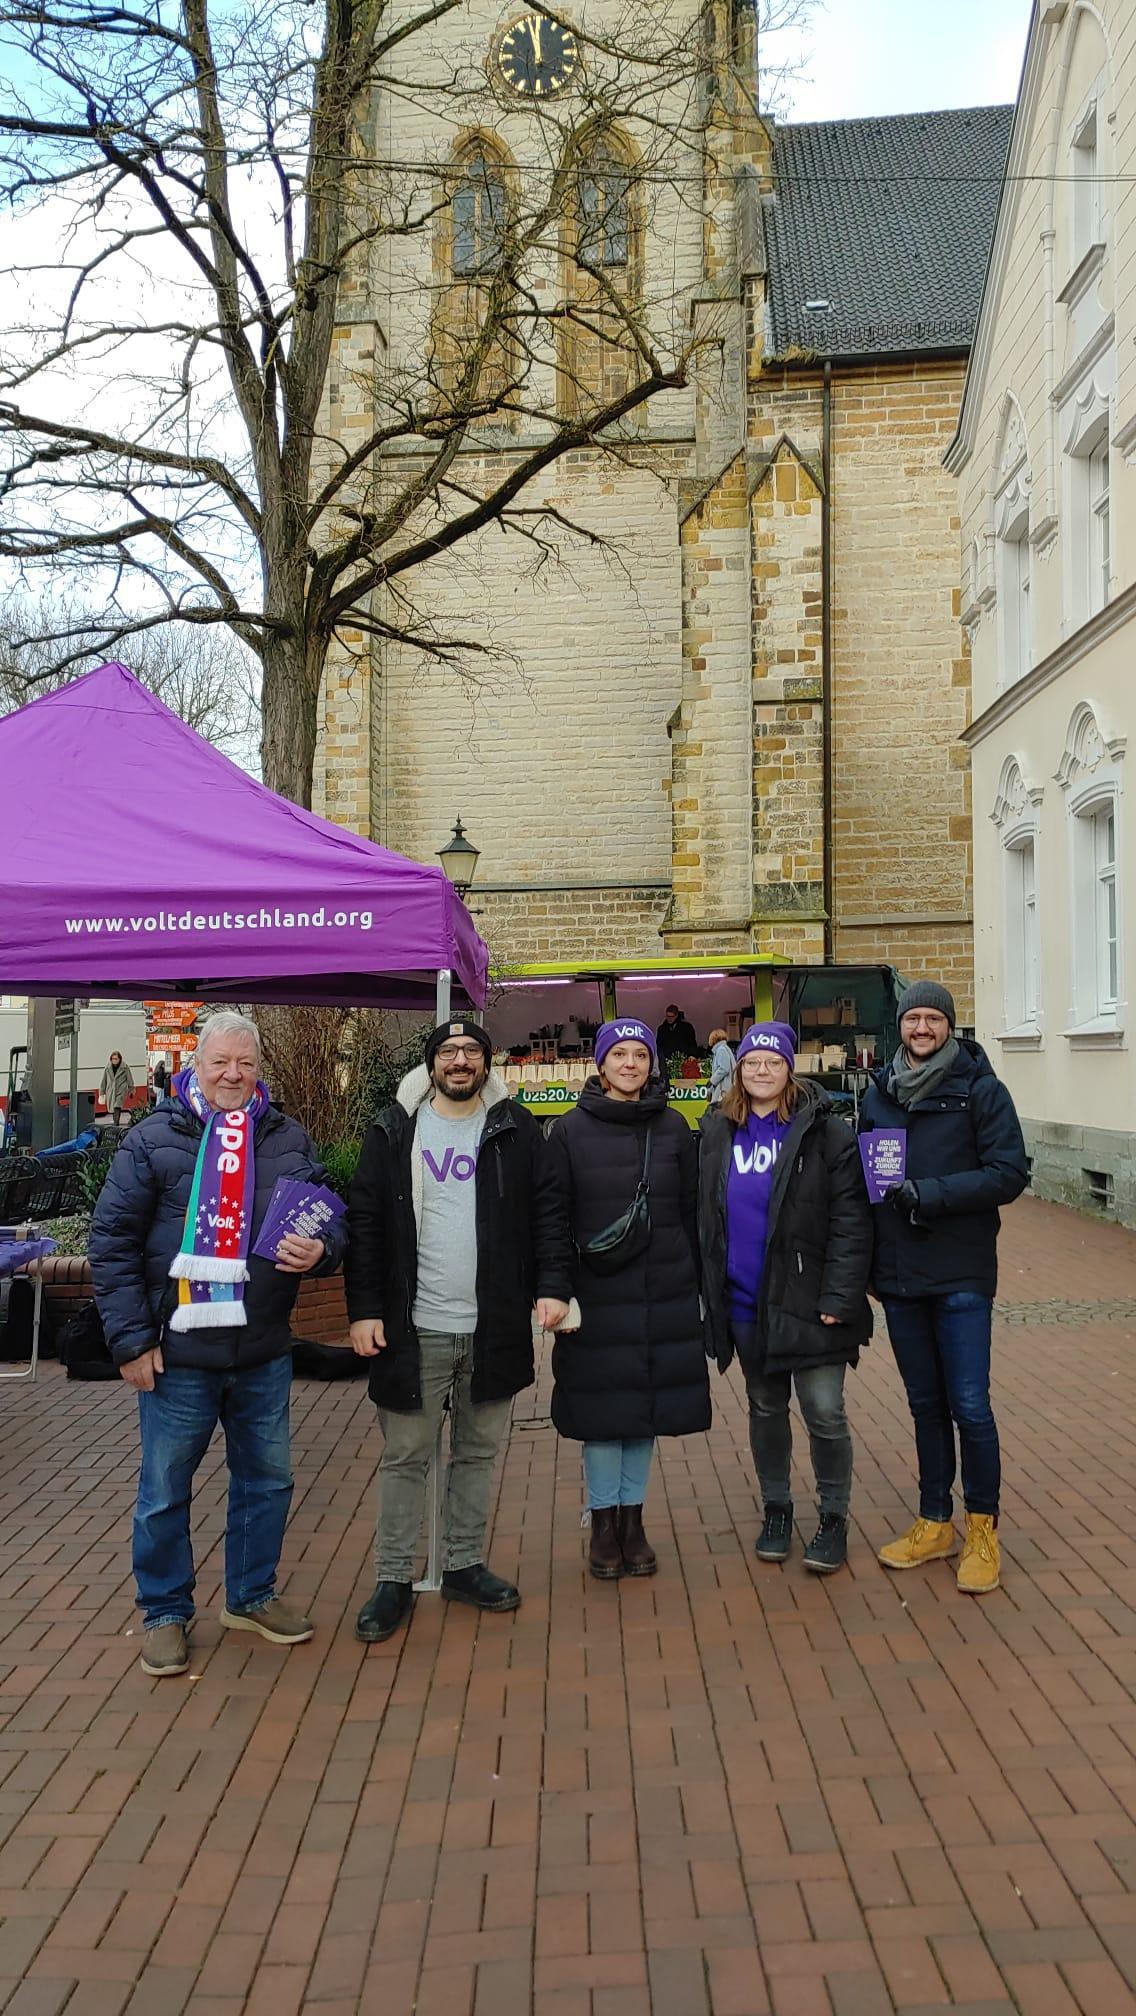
(732, 1791)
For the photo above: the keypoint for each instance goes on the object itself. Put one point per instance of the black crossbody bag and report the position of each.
(627, 1236)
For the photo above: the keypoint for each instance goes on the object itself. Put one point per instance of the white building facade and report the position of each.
(1044, 455)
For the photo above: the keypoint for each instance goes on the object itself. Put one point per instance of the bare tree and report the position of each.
(206, 676)
(202, 196)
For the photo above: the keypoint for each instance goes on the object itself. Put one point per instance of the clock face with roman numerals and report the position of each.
(537, 57)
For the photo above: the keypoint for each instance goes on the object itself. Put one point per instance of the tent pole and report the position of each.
(41, 1069)
(432, 1580)
(442, 1000)
(73, 1076)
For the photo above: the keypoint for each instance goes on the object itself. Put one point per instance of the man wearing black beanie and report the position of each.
(455, 1236)
(935, 1269)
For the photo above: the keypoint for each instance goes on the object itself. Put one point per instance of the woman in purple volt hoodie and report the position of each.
(786, 1235)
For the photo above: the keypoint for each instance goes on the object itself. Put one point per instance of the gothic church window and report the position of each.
(602, 258)
(471, 241)
(479, 212)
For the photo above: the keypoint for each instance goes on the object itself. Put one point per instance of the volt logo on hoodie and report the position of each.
(749, 1191)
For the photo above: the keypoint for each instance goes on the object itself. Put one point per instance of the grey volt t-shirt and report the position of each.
(447, 1241)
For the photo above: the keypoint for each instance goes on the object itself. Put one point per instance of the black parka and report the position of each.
(137, 1228)
(819, 1246)
(522, 1246)
(966, 1156)
(636, 1367)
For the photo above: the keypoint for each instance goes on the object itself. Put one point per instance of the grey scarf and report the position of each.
(912, 1083)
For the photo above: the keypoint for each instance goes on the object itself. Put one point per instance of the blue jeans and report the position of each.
(177, 1421)
(942, 1347)
(616, 1472)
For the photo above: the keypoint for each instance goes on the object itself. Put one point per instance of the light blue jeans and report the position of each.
(616, 1472)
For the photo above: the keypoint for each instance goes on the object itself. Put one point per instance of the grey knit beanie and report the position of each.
(927, 994)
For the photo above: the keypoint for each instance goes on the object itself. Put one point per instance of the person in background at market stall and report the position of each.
(455, 1236)
(159, 1081)
(936, 1270)
(721, 1066)
(786, 1232)
(674, 1040)
(636, 1368)
(198, 1324)
(116, 1085)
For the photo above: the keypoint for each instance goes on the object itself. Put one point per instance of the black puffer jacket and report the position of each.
(137, 1228)
(819, 1246)
(636, 1367)
(966, 1156)
(522, 1246)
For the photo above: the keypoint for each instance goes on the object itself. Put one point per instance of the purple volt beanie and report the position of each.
(623, 1031)
(776, 1036)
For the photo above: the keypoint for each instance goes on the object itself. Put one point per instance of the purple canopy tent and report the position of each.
(136, 860)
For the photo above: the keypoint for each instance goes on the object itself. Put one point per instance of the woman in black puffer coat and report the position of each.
(636, 1368)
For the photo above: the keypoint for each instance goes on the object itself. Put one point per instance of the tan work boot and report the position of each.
(276, 1622)
(981, 1564)
(927, 1540)
(165, 1650)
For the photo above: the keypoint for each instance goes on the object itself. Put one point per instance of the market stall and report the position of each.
(543, 1019)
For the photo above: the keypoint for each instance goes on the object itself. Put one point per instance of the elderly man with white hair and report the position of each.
(199, 1326)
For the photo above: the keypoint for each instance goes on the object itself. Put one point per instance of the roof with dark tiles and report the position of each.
(889, 222)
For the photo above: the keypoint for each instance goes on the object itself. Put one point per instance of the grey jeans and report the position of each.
(409, 1439)
(820, 1394)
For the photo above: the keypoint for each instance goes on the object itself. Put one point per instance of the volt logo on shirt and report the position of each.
(758, 1162)
(460, 1167)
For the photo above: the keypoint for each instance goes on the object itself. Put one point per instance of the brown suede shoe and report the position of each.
(276, 1622)
(165, 1650)
(605, 1557)
(638, 1555)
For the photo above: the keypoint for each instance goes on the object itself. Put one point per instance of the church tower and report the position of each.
(582, 649)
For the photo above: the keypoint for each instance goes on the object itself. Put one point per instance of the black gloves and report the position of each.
(905, 1197)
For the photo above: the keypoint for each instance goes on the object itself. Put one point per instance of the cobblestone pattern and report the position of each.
(731, 1791)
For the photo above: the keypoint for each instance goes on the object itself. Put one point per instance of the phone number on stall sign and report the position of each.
(693, 1092)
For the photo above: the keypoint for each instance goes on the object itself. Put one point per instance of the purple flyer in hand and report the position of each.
(306, 1209)
(883, 1152)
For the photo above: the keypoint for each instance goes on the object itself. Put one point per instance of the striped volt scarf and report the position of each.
(211, 1267)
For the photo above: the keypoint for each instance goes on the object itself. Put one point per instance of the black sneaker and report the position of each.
(775, 1540)
(828, 1549)
(479, 1586)
(383, 1612)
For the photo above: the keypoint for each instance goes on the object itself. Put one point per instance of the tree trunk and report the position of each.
(293, 669)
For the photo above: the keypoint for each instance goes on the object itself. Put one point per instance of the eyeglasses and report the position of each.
(452, 1053)
(765, 1064)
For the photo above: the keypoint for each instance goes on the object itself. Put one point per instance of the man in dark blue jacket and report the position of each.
(935, 1269)
(199, 1325)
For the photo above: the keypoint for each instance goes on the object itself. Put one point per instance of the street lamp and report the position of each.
(459, 858)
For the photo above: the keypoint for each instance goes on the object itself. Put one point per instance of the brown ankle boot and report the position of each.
(604, 1556)
(638, 1555)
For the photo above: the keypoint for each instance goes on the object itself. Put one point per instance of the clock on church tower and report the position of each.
(537, 57)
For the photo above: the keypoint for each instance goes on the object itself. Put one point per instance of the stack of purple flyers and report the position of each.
(304, 1209)
(883, 1152)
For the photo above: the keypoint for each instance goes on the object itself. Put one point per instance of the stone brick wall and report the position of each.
(902, 876)
(523, 927)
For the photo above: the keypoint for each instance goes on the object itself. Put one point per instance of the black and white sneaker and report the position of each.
(828, 1549)
(775, 1540)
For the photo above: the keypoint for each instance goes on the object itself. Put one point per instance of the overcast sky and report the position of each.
(876, 56)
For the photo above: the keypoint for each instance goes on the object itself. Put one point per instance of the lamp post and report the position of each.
(459, 858)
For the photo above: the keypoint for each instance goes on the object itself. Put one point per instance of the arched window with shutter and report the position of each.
(471, 244)
(602, 247)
